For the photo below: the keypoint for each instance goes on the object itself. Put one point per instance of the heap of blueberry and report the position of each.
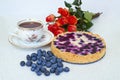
(44, 62)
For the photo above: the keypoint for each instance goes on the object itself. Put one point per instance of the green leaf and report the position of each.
(79, 12)
(86, 21)
(71, 11)
(80, 2)
(67, 4)
(88, 25)
(88, 15)
(84, 26)
(77, 2)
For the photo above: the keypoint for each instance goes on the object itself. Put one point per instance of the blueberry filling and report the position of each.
(92, 45)
(62, 38)
(79, 35)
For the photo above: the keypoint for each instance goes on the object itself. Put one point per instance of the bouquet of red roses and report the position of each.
(70, 19)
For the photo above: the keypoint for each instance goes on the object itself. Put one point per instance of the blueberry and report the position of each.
(60, 64)
(43, 63)
(66, 69)
(28, 63)
(32, 69)
(42, 59)
(34, 58)
(50, 53)
(47, 73)
(57, 72)
(39, 51)
(48, 64)
(43, 69)
(60, 69)
(33, 54)
(39, 73)
(59, 60)
(39, 62)
(46, 55)
(54, 57)
(54, 65)
(44, 52)
(39, 66)
(33, 65)
(53, 60)
(47, 58)
(52, 70)
(28, 57)
(22, 63)
(37, 69)
(39, 57)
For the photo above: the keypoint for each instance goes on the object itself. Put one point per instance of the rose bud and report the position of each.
(58, 32)
(72, 20)
(63, 11)
(72, 28)
(50, 18)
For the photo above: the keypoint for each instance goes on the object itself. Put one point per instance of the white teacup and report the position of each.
(29, 30)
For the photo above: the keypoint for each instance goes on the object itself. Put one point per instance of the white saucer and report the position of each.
(46, 39)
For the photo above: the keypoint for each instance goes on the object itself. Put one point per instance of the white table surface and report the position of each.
(107, 25)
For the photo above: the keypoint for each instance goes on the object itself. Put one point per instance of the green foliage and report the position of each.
(71, 11)
(67, 4)
(77, 2)
(84, 17)
(88, 15)
(78, 12)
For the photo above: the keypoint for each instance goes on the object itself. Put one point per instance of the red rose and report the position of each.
(72, 20)
(60, 28)
(63, 12)
(50, 18)
(52, 27)
(57, 22)
(58, 32)
(62, 20)
(72, 28)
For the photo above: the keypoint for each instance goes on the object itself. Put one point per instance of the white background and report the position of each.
(107, 25)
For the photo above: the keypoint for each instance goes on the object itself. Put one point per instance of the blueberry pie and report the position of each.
(78, 47)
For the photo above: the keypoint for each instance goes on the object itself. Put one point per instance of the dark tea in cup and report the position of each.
(30, 24)
(29, 30)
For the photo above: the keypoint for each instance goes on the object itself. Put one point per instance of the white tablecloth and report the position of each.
(107, 25)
